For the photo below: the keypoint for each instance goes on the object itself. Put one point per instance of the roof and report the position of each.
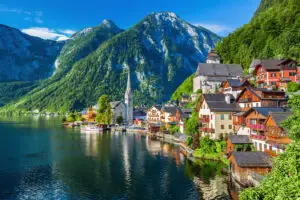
(185, 96)
(216, 102)
(213, 69)
(265, 110)
(271, 64)
(169, 109)
(158, 107)
(115, 104)
(239, 139)
(236, 82)
(254, 91)
(252, 159)
(139, 113)
(278, 117)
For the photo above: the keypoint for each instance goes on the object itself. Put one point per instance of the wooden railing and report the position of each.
(206, 130)
(259, 137)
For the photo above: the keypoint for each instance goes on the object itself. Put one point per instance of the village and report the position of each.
(240, 112)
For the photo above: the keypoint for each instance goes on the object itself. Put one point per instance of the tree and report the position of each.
(174, 129)
(191, 127)
(284, 180)
(104, 114)
(293, 87)
(120, 120)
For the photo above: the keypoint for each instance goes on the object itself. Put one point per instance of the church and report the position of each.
(124, 109)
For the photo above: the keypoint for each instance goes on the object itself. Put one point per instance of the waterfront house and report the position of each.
(238, 143)
(259, 97)
(234, 86)
(210, 75)
(276, 136)
(154, 118)
(274, 74)
(247, 168)
(215, 114)
(168, 115)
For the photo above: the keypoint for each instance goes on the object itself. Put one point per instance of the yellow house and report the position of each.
(215, 115)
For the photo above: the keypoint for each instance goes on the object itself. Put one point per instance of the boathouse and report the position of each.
(248, 168)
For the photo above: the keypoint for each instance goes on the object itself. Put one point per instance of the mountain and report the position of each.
(83, 43)
(79, 46)
(273, 32)
(24, 57)
(161, 51)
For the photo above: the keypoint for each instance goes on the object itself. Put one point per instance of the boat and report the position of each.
(91, 129)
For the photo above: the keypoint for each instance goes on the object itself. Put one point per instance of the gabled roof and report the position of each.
(236, 82)
(252, 159)
(139, 113)
(217, 103)
(254, 91)
(158, 107)
(169, 109)
(212, 69)
(264, 110)
(239, 139)
(278, 117)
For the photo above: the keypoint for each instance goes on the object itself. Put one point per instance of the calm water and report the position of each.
(39, 159)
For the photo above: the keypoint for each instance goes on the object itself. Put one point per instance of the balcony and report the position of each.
(258, 137)
(204, 119)
(271, 153)
(207, 130)
(260, 79)
(257, 126)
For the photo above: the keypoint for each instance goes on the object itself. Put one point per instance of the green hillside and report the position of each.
(185, 88)
(273, 32)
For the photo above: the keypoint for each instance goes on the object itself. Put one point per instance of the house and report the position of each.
(168, 115)
(276, 136)
(215, 114)
(89, 114)
(154, 118)
(185, 98)
(238, 143)
(118, 109)
(234, 86)
(275, 74)
(259, 97)
(210, 75)
(252, 122)
(181, 115)
(247, 167)
(298, 75)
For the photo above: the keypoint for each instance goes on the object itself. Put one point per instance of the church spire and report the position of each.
(129, 101)
(128, 82)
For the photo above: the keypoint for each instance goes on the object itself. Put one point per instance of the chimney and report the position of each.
(227, 98)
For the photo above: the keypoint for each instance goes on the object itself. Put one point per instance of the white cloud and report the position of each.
(67, 31)
(216, 28)
(45, 33)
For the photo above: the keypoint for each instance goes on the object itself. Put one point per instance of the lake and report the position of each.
(42, 160)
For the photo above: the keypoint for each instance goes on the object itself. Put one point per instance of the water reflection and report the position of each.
(57, 163)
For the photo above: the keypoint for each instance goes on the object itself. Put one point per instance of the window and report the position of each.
(230, 127)
(222, 117)
(273, 75)
(292, 74)
(222, 126)
(229, 116)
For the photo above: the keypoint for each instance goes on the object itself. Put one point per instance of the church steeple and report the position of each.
(129, 100)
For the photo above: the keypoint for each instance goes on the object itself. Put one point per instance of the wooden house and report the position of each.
(276, 136)
(154, 118)
(259, 97)
(238, 143)
(234, 86)
(168, 115)
(244, 166)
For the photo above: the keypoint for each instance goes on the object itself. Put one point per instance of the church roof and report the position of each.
(212, 69)
(115, 104)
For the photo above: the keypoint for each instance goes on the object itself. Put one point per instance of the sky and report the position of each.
(58, 20)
